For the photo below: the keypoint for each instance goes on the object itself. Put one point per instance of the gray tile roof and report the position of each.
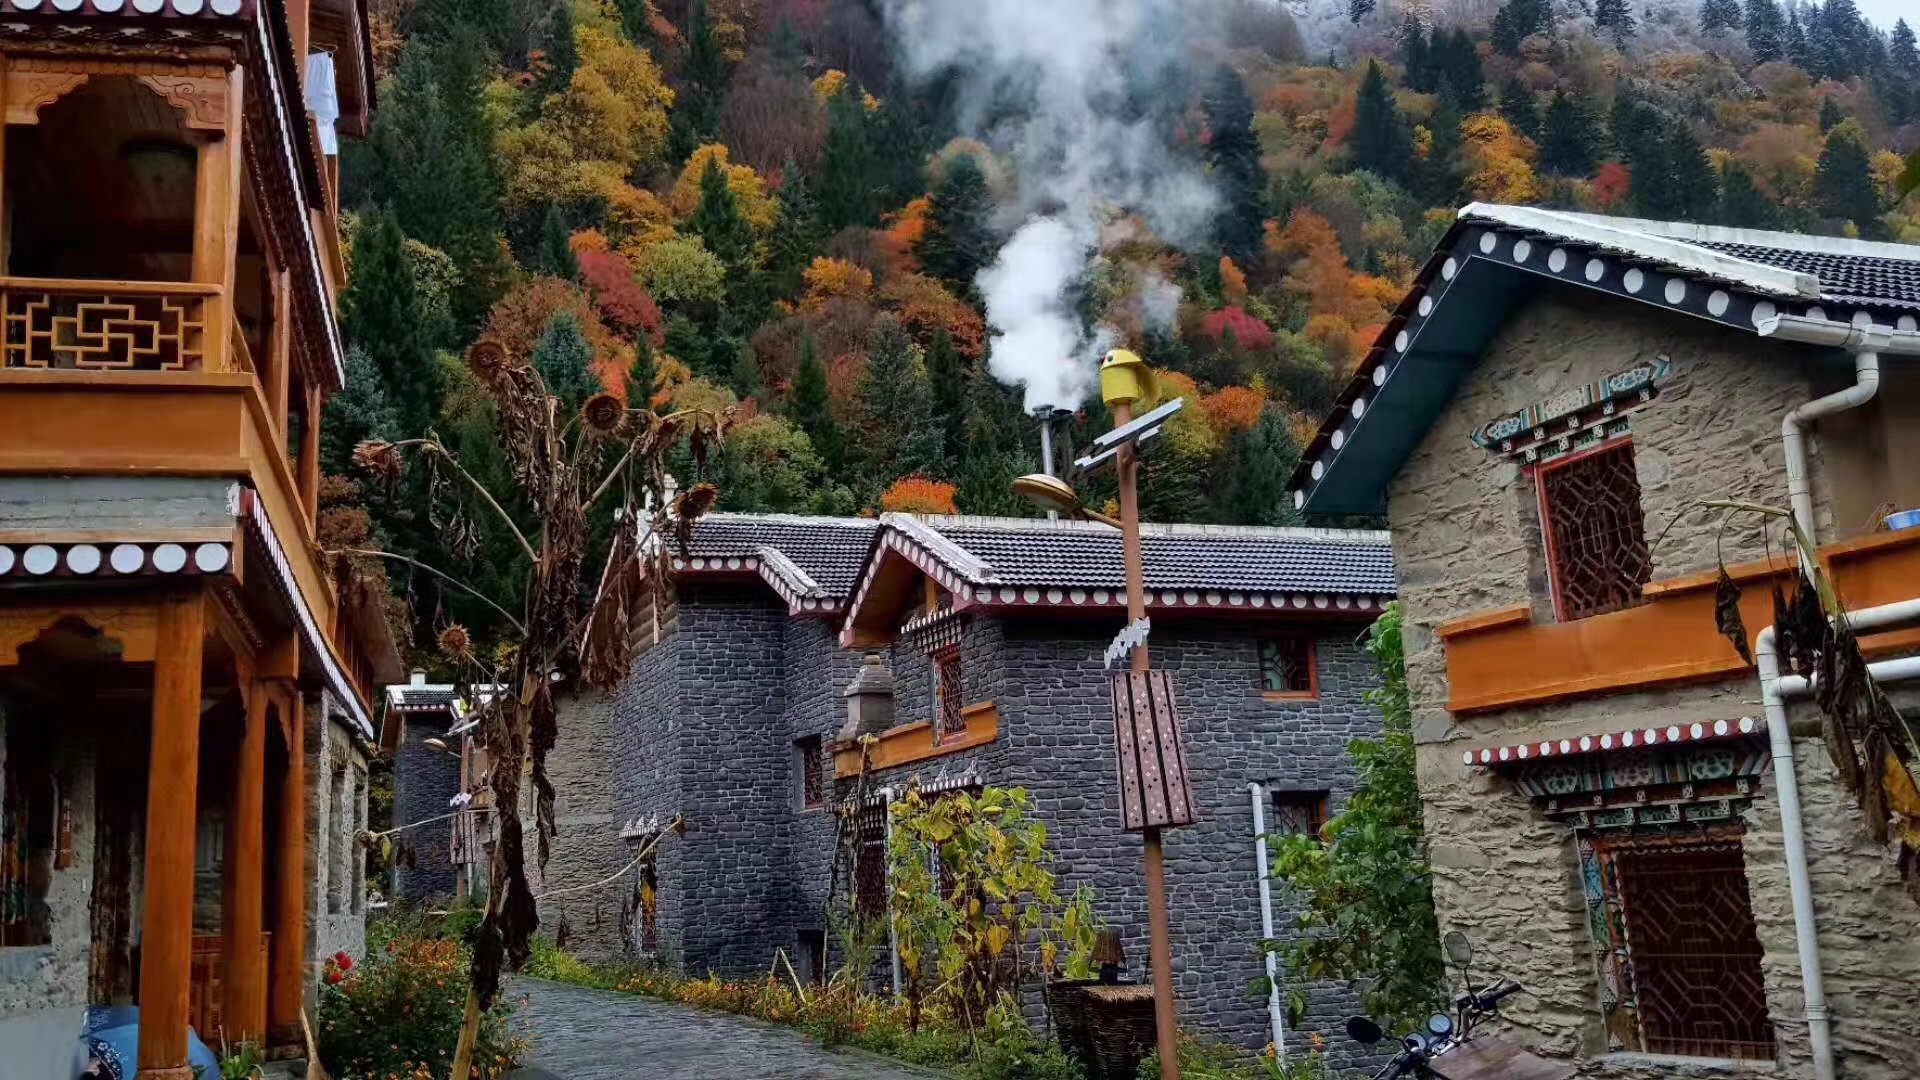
(830, 550)
(409, 696)
(1844, 277)
(1075, 554)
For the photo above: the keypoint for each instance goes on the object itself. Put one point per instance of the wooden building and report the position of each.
(172, 647)
(1626, 814)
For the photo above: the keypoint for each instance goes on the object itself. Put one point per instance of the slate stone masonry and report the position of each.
(424, 779)
(707, 723)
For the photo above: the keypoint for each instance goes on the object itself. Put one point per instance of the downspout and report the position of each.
(1274, 1016)
(1774, 690)
(1793, 439)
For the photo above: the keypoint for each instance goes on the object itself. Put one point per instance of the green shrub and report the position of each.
(397, 1014)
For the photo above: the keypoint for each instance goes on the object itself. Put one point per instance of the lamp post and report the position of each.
(1150, 799)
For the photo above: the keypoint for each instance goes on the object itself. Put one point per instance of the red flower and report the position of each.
(342, 961)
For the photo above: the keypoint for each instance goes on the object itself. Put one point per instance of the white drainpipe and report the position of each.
(1774, 690)
(1274, 1015)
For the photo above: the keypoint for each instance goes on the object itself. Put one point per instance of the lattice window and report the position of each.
(870, 875)
(1298, 813)
(948, 693)
(1287, 666)
(1674, 933)
(810, 759)
(1596, 536)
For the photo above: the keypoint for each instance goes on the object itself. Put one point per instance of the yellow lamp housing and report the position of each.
(1125, 378)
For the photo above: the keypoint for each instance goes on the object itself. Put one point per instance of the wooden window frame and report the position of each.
(1312, 692)
(1539, 474)
(949, 694)
(1317, 803)
(810, 762)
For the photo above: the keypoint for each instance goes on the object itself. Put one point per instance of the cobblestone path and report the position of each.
(580, 1034)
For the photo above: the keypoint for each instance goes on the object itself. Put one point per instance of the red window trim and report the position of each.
(1312, 692)
(1539, 474)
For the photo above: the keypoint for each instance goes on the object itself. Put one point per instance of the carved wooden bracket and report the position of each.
(199, 91)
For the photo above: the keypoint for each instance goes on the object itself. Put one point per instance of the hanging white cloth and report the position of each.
(323, 100)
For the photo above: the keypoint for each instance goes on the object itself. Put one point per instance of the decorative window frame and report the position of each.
(1312, 647)
(1538, 474)
(1317, 802)
(948, 682)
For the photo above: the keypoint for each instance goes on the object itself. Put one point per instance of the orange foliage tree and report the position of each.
(1235, 408)
(829, 279)
(918, 495)
(521, 317)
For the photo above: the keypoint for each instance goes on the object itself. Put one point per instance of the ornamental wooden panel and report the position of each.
(1152, 761)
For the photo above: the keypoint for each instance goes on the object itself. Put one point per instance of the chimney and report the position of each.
(869, 700)
(1047, 416)
(419, 677)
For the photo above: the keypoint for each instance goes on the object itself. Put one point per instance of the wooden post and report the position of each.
(309, 478)
(277, 365)
(6, 237)
(287, 995)
(216, 224)
(166, 928)
(1159, 948)
(244, 974)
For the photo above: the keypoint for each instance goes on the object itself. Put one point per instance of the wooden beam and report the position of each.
(287, 993)
(166, 928)
(279, 358)
(244, 971)
(310, 457)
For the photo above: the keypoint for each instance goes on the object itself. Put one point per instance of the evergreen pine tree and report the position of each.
(1635, 128)
(1766, 31)
(1902, 55)
(1843, 185)
(1436, 177)
(1830, 114)
(1520, 108)
(1359, 9)
(1233, 158)
(745, 378)
(1719, 15)
(848, 194)
(555, 256)
(899, 436)
(812, 408)
(1382, 141)
(643, 377)
(636, 20)
(357, 413)
(1795, 42)
(380, 313)
(432, 160)
(1462, 80)
(565, 360)
(696, 112)
(1616, 18)
(959, 236)
(718, 223)
(796, 234)
(948, 377)
(1519, 19)
(1255, 467)
(1742, 205)
(1570, 143)
(1418, 54)
(1839, 40)
(560, 53)
(1694, 186)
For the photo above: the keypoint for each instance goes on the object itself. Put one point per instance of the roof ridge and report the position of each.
(788, 519)
(1257, 532)
(941, 546)
(1700, 232)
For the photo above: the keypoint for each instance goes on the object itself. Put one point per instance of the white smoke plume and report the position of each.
(1062, 86)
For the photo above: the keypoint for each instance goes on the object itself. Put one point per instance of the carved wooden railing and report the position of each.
(50, 324)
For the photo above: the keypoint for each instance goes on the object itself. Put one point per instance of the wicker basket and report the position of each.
(1108, 1028)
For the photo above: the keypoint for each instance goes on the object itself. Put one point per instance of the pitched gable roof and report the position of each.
(1737, 278)
(1037, 563)
(813, 563)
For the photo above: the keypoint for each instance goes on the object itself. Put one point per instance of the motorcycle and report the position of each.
(1446, 1047)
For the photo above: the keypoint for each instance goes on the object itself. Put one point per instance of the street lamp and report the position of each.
(1152, 764)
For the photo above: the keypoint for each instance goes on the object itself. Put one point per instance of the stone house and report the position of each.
(186, 683)
(437, 772)
(1541, 422)
(982, 639)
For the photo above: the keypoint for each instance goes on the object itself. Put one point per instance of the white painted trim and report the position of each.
(1608, 233)
(1695, 232)
(337, 680)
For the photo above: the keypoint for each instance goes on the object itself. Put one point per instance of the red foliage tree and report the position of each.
(623, 303)
(918, 495)
(1611, 185)
(1248, 332)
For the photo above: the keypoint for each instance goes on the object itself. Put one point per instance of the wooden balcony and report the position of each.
(1504, 659)
(112, 325)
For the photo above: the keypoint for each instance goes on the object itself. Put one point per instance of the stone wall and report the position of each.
(644, 755)
(1467, 539)
(424, 779)
(817, 672)
(587, 847)
(53, 978)
(336, 813)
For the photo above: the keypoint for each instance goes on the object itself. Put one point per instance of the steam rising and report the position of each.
(1067, 89)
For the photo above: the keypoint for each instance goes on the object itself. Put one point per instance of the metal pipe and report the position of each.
(1774, 689)
(1274, 1016)
(1793, 439)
